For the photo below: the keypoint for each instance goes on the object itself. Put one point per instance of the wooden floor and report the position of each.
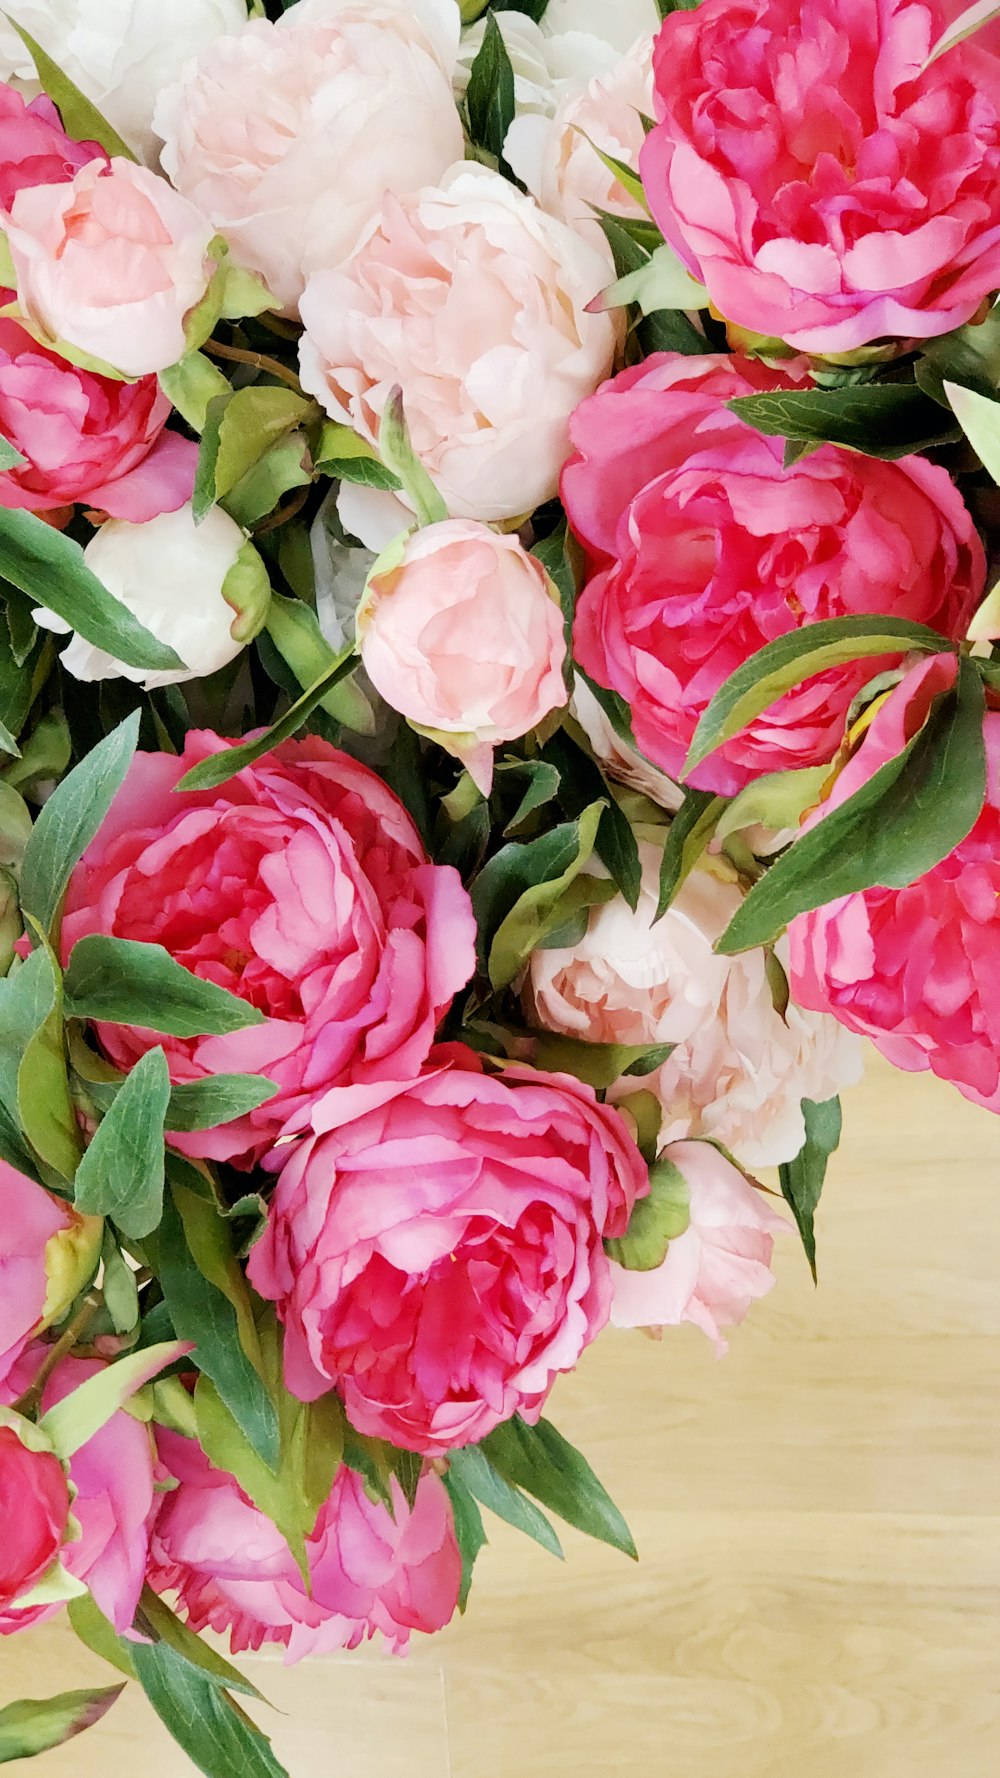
(818, 1518)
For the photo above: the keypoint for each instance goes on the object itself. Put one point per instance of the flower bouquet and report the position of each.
(497, 697)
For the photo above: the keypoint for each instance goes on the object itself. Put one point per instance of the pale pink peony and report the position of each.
(823, 184)
(440, 1260)
(703, 548)
(473, 301)
(719, 1266)
(916, 969)
(112, 262)
(48, 1252)
(557, 159)
(740, 1069)
(86, 437)
(464, 635)
(112, 1475)
(289, 135)
(370, 1570)
(301, 885)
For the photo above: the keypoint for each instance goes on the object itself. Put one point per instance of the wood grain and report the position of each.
(818, 1519)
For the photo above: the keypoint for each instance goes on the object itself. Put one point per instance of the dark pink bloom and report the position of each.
(370, 1570)
(34, 147)
(301, 885)
(821, 182)
(703, 548)
(917, 969)
(440, 1259)
(113, 1478)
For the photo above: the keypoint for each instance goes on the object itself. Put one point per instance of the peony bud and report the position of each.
(184, 582)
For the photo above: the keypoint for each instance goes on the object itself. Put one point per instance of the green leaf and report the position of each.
(661, 282)
(469, 1532)
(50, 567)
(96, 1633)
(220, 1099)
(10, 456)
(204, 1721)
(239, 430)
(655, 1221)
(345, 455)
(209, 1303)
(294, 629)
(601, 1065)
(802, 1179)
(542, 786)
(70, 819)
(666, 7)
(33, 1078)
(80, 118)
(490, 96)
(583, 783)
(970, 356)
(789, 660)
(45, 755)
(156, 1620)
(220, 767)
(543, 1463)
(118, 1286)
(123, 982)
(72, 1422)
(979, 419)
(203, 498)
(561, 855)
(37, 1724)
(398, 454)
(878, 419)
(777, 800)
(121, 1174)
(474, 1469)
(192, 384)
(281, 469)
(687, 839)
(909, 815)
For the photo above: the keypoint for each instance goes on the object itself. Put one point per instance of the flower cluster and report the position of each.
(499, 694)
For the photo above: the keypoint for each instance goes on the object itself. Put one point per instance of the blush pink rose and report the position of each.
(112, 1475)
(34, 147)
(112, 262)
(288, 135)
(798, 167)
(48, 1252)
(473, 301)
(440, 1259)
(34, 1512)
(370, 1570)
(916, 969)
(86, 437)
(718, 1266)
(703, 548)
(301, 885)
(464, 635)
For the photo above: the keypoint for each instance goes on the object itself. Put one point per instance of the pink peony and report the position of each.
(34, 147)
(112, 262)
(464, 635)
(913, 968)
(34, 1512)
(288, 135)
(48, 1252)
(302, 885)
(739, 1068)
(440, 1258)
(112, 1475)
(703, 548)
(718, 1266)
(821, 182)
(475, 302)
(370, 1570)
(87, 437)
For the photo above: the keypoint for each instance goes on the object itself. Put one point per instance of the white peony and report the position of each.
(120, 53)
(170, 573)
(740, 1069)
